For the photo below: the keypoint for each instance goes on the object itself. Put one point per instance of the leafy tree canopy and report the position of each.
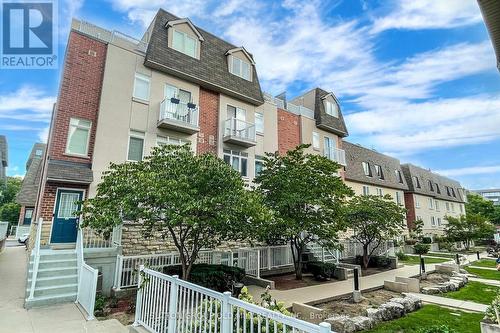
(196, 201)
(476, 204)
(374, 220)
(9, 212)
(306, 195)
(467, 228)
(9, 190)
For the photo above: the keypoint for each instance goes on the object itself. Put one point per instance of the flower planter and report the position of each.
(489, 328)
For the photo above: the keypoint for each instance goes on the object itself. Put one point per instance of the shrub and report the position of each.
(401, 255)
(216, 277)
(411, 241)
(421, 248)
(437, 329)
(491, 313)
(426, 240)
(321, 270)
(100, 302)
(375, 261)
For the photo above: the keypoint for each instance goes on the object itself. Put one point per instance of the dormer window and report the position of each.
(378, 170)
(399, 176)
(240, 68)
(184, 37)
(416, 181)
(184, 43)
(366, 169)
(332, 109)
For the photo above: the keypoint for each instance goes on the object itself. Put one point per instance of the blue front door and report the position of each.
(65, 223)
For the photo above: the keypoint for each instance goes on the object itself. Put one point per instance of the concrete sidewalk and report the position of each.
(61, 318)
(485, 281)
(327, 291)
(452, 303)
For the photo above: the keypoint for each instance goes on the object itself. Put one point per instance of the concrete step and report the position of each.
(55, 280)
(52, 272)
(55, 263)
(54, 291)
(55, 255)
(49, 300)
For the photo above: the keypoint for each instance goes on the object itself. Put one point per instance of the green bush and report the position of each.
(426, 240)
(437, 329)
(411, 241)
(421, 248)
(401, 255)
(321, 270)
(491, 313)
(216, 277)
(375, 261)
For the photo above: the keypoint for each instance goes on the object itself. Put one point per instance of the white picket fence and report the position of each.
(351, 249)
(167, 304)
(93, 239)
(87, 280)
(272, 257)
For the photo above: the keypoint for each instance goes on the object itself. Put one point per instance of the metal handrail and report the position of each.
(239, 128)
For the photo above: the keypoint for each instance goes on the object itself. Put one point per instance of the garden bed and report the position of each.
(288, 281)
(122, 309)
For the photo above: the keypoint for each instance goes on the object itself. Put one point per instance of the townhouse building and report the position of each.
(431, 197)
(4, 162)
(29, 188)
(492, 195)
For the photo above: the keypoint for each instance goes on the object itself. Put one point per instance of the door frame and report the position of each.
(84, 192)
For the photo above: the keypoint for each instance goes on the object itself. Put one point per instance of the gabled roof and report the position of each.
(188, 22)
(242, 49)
(29, 188)
(424, 176)
(356, 155)
(326, 121)
(211, 71)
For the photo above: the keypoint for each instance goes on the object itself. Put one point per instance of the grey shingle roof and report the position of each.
(211, 71)
(491, 14)
(356, 155)
(69, 172)
(29, 188)
(424, 176)
(326, 121)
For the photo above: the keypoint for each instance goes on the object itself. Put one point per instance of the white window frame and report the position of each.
(436, 204)
(452, 207)
(138, 135)
(258, 159)
(315, 141)
(236, 154)
(447, 206)
(144, 78)
(399, 176)
(417, 202)
(259, 129)
(380, 192)
(416, 182)
(89, 129)
(439, 221)
(331, 108)
(168, 140)
(433, 221)
(366, 190)
(431, 203)
(398, 198)
(185, 35)
(233, 71)
(367, 171)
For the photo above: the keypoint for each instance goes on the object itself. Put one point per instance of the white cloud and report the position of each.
(27, 103)
(475, 170)
(428, 14)
(43, 134)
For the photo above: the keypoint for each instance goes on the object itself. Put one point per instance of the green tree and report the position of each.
(476, 204)
(306, 196)
(417, 229)
(468, 228)
(9, 212)
(374, 220)
(9, 190)
(193, 201)
(421, 248)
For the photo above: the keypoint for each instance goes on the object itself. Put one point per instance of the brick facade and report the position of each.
(208, 122)
(288, 131)
(79, 94)
(410, 206)
(21, 215)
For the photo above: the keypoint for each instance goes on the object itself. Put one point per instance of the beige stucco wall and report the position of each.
(308, 126)
(119, 112)
(425, 212)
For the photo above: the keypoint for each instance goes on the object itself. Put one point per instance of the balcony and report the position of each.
(182, 117)
(335, 154)
(239, 132)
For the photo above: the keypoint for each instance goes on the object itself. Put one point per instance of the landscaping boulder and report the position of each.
(391, 310)
(430, 290)
(410, 303)
(374, 314)
(342, 324)
(363, 323)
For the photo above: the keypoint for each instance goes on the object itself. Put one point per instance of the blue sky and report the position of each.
(416, 79)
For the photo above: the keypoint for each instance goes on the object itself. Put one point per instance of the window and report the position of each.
(141, 87)
(439, 221)
(240, 68)
(38, 152)
(453, 193)
(431, 187)
(184, 43)
(332, 109)
(399, 177)
(238, 160)
(433, 221)
(237, 113)
(329, 145)
(431, 203)
(167, 140)
(398, 198)
(68, 205)
(419, 218)
(380, 192)
(378, 170)
(366, 169)
(366, 190)
(453, 207)
(436, 203)
(315, 142)
(416, 182)
(259, 164)
(438, 190)
(135, 146)
(78, 136)
(447, 206)
(28, 213)
(448, 191)
(259, 122)
(417, 202)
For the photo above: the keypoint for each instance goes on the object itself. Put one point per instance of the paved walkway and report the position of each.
(486, 268)
(63, 318)
(485, 281)
(452, 303)
(326, 291)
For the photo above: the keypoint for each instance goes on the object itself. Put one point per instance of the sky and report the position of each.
(416, 79)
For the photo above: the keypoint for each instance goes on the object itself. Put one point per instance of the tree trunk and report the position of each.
(297, 260)
(366, 258)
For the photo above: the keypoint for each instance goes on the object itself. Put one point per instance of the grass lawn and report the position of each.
(430, 315)
(415, 260)
(474, 291)
(484, 273)
(484, 263)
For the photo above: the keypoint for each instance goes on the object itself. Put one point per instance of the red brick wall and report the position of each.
(288, 131)
(80, 92)
(410, 206)
(21, 215)
(208, 122)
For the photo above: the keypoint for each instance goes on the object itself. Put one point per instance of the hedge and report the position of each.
(321, 270)
(216, 277)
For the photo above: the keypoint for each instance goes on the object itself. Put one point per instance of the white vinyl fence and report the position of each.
(353, 249)
(3, 230)
(166, 304)
(272, 257)
(93, 239)
(87, 280)
(21, 230)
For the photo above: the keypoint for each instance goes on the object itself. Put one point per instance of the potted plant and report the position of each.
(490, 323)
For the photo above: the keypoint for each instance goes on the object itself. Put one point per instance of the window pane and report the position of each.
(227, 159)
(315, 140)
(77, 138)
(28, 213)
(135, 149)
(236, 163)
(231, 112)
(259, 122)
(178, 41)
(68, 205)
(236, 66)
(258, 167)
(244, 167)
(190, 46)
(170, 91)
(141, 88)
(245, 70)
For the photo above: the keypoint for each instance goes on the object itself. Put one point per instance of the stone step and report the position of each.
(53, 272)
(49, 300)
(54, 291)
(55, 280)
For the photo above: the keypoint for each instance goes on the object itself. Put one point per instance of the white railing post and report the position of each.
(226, 313)
(172, 306)
(36, 258)
(138, 303)
(325, 327)
(118, 272)
(258, 264)
(269, 258)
